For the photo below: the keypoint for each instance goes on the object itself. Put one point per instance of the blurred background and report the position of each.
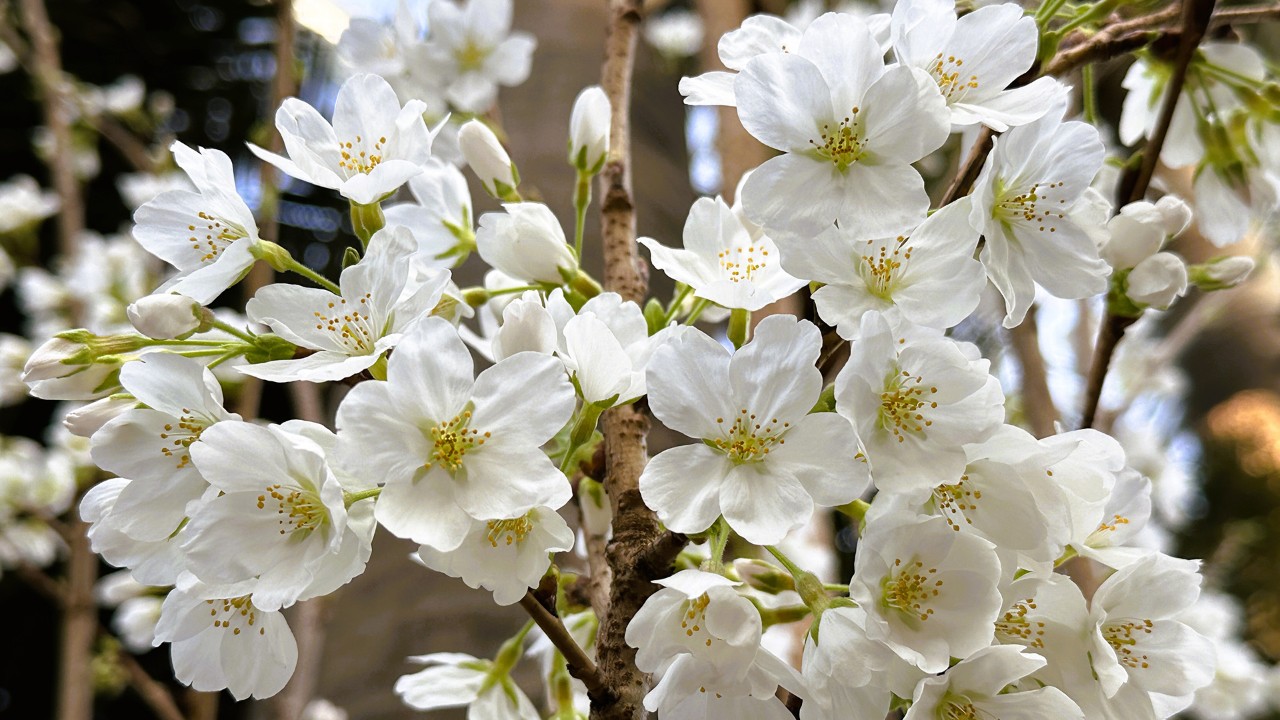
(1195, 398)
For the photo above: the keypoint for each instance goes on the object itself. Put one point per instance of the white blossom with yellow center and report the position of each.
(222, 639)
(1136, 637)
(975, 689)
(928, 274)
(724, 259)
(849, 129)
(1022, 204)
(505, 556)
(207, 233)
(974, 59)
(152, 445)
(700, 614)
(764, 462)
(916, 398)
(470, 50)
(373, 146)
(382, 296)
(450, 447)
(929, 592)
(278, 516)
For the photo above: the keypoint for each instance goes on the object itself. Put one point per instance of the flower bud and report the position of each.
(589, 130)
(58, 357)
(763, 576)
(1157, 281)
(489, 160)
(526, 242)
(1221, 273)
(84, 421)
(165, 316)
(596, 511)
(1141, 228)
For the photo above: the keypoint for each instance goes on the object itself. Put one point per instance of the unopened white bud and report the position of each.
(58, 357)
(165, 316)
(1157, 281)
(1222, 273)
(526, 242)
(488, 159)
(597, 514)
(589, 130)
(84, 421)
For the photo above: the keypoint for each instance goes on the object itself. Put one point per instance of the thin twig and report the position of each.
(1037, 401)
(580, 666)
(1196, 17)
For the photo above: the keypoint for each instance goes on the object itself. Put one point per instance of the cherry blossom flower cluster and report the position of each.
(470, 425)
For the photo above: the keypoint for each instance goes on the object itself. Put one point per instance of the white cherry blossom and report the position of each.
(1021, 204)
(208, 234)
(1137, 638)
(457, 680)
(973, 60)
(929, 592)
(723, 260)
(442, 219)
(916, 398)
(526, 242)
(975, 687)
(383, 295)
(764, 462)
(372, 147)
(471, 47)
(506, 557)
(222, 640)
(151, 445)
(928, 274)
(450, 446)
(848, 128)
(280, 519)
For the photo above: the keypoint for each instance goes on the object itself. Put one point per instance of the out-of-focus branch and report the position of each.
(637, 553)
(79, 612)
(580, 666)
(1037, 401)
(45, 65)
(152, 691)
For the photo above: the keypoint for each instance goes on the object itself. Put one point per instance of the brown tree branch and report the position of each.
(1037, 401)
(153, 692)
(55, 96)
(580, 666)
(1196, 18)
(636, 554)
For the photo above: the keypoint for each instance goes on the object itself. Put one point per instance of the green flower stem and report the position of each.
(584, 425)
(511, 651)
(719, 540)
(296, 267)
(676, 303)
(739, 322)
(1089, 94)
(367, 220)
(232, 330)
(696, 311)
(351, 498)
(581, 200)
(812, 590)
